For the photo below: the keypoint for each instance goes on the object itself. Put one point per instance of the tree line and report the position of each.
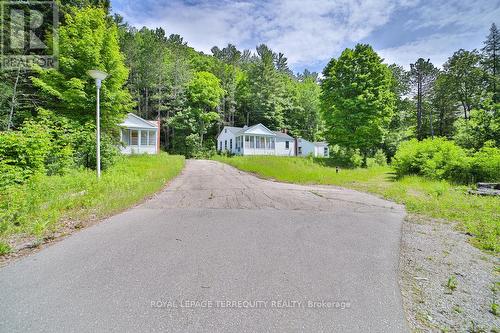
(359, 104)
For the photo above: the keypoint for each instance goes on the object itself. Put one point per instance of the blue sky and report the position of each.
(309, 33)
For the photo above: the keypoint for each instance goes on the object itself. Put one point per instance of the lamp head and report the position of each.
(97, 75)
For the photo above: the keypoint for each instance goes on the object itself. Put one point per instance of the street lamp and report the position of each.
(99, 77)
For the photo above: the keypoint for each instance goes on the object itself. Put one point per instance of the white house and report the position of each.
(316, 149)
(255, 140)
(139, 136)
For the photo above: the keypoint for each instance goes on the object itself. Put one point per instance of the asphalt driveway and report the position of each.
(219, 251)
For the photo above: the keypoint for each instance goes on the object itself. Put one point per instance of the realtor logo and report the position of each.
(28, 34)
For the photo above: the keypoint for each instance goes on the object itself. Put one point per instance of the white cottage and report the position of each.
(316, 149)
(139, 136)
(255, 140)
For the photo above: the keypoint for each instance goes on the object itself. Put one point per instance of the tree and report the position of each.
(423, 74)
(482, 126)
(307, 122)
(491, 60)
(445, 106)
(466, 78)
(266, 90)
(402, 123)
(357, 100)
(87, 41)
(204, 94)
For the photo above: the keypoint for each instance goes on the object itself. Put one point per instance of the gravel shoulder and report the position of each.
(447, 284)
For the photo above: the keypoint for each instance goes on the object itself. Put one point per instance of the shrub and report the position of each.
(433, 158)
(85, 148)
(23, 153)
(486, 164)
(380, 158)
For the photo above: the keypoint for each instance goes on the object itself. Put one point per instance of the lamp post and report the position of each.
(99, 77)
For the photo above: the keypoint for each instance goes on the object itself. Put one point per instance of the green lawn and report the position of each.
(479, 216)
(37, 207)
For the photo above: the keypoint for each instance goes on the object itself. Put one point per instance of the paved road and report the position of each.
(181, 261)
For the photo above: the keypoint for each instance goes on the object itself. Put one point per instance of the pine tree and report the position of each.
(491, 60)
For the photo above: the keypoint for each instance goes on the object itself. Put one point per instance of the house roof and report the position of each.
(283, 135)
(134, 121)
(242, 130)
(317, 143)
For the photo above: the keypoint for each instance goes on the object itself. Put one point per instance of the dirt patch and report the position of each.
(447, 284)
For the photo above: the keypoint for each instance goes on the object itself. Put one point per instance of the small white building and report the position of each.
(255, 140)
(139, 136)
(316, 149)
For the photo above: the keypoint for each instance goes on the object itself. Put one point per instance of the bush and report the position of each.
(380, 158)
(85, 148)
(486, 164)
(433, 158)
(23, 153)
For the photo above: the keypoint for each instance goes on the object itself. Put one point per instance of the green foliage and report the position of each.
(204, 91)
(486, 164)
(4, 248)
(379, 159)
(452, 283)
(483, 125)
(465, 78)
(433, 158)
(23, 153)
(87, 41)
(357, 99)
(35, 208)
(85, 155)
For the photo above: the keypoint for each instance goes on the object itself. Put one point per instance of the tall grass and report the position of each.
(479, 216)
(37, 207)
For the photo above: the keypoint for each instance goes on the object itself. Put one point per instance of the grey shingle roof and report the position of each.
(283, 135)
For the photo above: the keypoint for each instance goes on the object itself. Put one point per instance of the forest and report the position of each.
(445, 121)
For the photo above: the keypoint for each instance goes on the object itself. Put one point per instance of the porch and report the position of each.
(256, 145)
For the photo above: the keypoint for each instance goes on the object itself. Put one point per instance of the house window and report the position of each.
(144, 138)
(225, 144)
(134, 138)
(262, 142)
(252, 142)
(126, 137)
(300, 150)
(325, 151)
(152, 138)
(287, 145)
(247, 141)
(272, 143)
(225, 130)
(230, 144)
(220, 145)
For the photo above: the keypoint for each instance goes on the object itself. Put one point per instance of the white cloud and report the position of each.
(307, 32)
(437, 48)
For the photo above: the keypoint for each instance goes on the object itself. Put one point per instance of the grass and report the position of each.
(478, 216)
(38, 207)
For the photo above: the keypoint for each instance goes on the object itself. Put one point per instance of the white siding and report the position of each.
(310, 148)
(281, 149)
(224, 140)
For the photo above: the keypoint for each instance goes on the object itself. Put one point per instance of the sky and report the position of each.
(310, 33)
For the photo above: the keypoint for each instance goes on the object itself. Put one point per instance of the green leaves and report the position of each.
(87, 41)
(204, 91)
(357, 99)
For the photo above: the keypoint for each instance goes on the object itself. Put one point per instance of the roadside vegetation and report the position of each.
(45, 204)
(476, 215)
